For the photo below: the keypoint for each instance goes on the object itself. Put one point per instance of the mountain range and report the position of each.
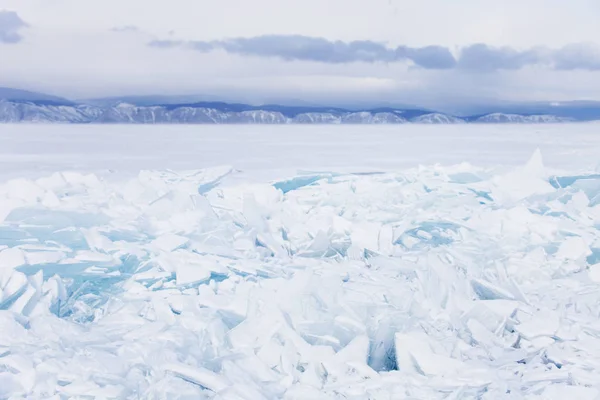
(23, 106)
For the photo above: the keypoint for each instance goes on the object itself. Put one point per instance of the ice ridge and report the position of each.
(436, 282)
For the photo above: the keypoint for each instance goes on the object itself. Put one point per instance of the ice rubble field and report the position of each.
(434, 282)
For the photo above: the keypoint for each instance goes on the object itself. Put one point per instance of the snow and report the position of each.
(169, 242)
(124, 113)
(332, 274)
(264, 153)
(515, 118)
(595, 273)
(437, 118)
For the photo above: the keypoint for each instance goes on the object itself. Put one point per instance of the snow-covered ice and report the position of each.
(265, 152)
(432, 281)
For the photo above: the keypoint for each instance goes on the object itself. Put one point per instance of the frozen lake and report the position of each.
(268, 152)
(191, 280)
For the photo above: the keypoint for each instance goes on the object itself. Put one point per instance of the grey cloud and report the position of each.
(125, 29)
(485, 58)
(478, 57)
(203, 47)
(431, 57)
(577, 56)
(304, 48)
(166, 44)
(10, 25)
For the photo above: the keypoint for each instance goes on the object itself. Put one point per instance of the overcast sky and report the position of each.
(419, 52)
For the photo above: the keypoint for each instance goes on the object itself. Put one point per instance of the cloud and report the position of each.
(125, 29)
(165, 44)
(203, 47)
(477, 57)
(482, 57)
(305, 48)
(577, 56)
(10, 24)
(430, 57)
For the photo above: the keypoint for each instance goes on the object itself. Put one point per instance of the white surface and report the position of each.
(269, 152)
(431, 282)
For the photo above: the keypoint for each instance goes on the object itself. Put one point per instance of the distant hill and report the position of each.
(25, 106)
(574, 110)
(18, 95)
(150, 100)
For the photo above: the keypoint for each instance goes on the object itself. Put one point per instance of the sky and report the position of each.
(425, 52)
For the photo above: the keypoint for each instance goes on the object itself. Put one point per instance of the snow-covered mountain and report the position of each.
(500, 118)
(437, 118)
(317, 118)
(12, 111)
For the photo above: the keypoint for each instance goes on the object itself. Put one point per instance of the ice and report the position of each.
(573, 248)
(357, 351)
(569, 391)
(543, 323)
(192, 274)
(11, 258)
(198, 376)
(594, 273)
(431, 282)
(414, 355)
(14, 287)
(487, 291)
(169, 242)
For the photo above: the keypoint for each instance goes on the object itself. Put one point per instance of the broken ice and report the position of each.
(436, 282)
